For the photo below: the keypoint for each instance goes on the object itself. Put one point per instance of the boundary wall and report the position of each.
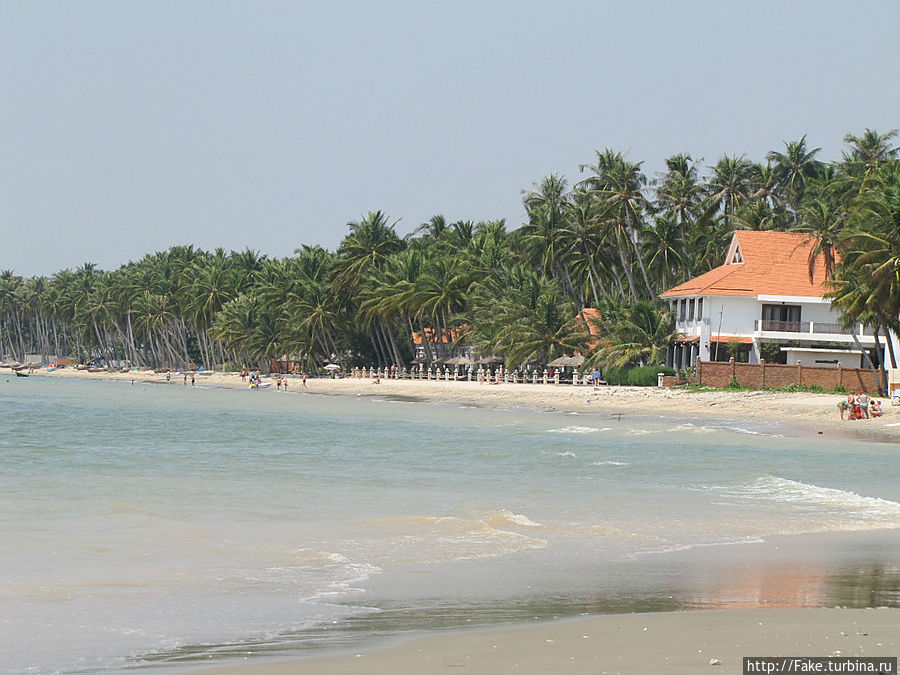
(778, 376)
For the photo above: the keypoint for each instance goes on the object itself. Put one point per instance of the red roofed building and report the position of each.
(761, 296)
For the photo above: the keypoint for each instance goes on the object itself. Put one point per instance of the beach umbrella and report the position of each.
(332, 366)
(559, 362)
(459, 361)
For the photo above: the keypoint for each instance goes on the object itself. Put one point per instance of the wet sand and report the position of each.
(673, 642)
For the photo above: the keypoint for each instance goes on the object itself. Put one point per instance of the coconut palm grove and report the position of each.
(612, 241)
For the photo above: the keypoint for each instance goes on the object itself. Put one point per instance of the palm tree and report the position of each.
(792, 169)
(825, 221)
(639, 334)
(729, 186)
(867, 152)
(370, 242)
(617, 187)
(680, 197)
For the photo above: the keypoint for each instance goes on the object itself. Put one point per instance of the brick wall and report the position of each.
(779, 376)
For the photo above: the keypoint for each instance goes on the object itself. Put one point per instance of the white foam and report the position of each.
(578, 430)
(841, 509)
(610, 462)
(503, 515)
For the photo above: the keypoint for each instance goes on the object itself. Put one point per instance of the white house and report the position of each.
(763, 300)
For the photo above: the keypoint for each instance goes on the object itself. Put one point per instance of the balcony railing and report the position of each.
(783, 326)
(814, 327)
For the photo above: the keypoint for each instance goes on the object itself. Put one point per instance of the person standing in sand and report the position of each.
(303, 384)
(193, 381)
(863, 400)
(185, 379)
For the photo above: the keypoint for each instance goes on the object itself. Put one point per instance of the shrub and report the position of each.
(616, 376)
(647, 376)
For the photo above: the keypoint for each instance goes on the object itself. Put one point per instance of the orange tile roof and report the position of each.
(761, 263)
(446, 337)
(591, 317)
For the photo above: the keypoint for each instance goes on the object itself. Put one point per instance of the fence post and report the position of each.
(762, 363)
(840, 375)
(699, 371)
(733, 370)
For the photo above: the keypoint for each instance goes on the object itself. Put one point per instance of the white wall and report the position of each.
(846, 359)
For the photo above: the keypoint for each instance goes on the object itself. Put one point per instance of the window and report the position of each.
(788, 313)
(699, 308)
(691, 309)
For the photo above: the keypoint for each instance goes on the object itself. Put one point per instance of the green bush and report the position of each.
(642, 376)
(616, 376)
(647, 376)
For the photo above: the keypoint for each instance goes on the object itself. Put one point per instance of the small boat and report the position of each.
(21, 373)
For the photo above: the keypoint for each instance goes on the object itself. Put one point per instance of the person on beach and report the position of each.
(243, 374)
(595, 379)
(303, 384)
(852, 408)
(185, 379)
(193, 381)
(875, 409)
(284, 385)
(842, 406)
(863, 402)
(278, 383)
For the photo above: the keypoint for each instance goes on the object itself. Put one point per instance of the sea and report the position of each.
(161, 527)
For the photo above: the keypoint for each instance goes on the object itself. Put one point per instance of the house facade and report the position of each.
(762, 304)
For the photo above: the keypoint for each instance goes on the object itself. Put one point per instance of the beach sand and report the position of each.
(811, 413)
(670, 643)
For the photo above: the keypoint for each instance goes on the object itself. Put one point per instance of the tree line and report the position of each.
(612, 241)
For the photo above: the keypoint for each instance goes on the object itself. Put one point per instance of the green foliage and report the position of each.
(770, 351)
(642, 376)
(647, 376)
(611, 242)
(806, 389)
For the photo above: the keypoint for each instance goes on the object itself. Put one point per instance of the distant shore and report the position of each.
(811, 412)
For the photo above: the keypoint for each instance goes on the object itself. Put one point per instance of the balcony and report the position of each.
(810, 328)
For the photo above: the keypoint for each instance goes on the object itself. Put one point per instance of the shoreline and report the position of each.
(807, 412)
(671, 642)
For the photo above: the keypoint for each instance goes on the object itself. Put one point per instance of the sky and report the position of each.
(131, 127)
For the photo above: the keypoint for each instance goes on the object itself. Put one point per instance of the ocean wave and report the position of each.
(610, 462)
(838, 509)
(675, 548)
(436, 539)
(578, 430)
(504, 517)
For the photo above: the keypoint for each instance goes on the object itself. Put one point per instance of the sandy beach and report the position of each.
(808, 412)
(676, 643)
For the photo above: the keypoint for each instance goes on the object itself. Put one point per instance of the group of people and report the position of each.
(255, 378)
(859, 406)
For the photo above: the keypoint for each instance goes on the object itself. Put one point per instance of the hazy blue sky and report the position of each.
(128, 127)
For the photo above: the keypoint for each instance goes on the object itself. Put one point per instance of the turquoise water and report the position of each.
(159, 524)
